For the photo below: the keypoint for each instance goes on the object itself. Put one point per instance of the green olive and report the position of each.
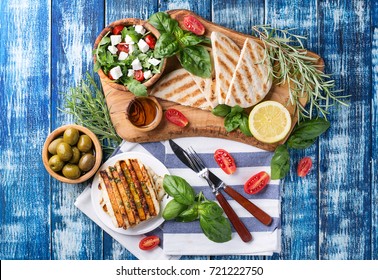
(64, 151)
(56, 163)
(75, 155)
(71, 171)
(71, 135)
(53, 144)
(86, 162)
(85, 143)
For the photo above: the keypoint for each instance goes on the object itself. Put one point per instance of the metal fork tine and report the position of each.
(197, 158)
(191, 161)
(194, 160)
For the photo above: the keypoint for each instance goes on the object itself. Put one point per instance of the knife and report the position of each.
(257, 212)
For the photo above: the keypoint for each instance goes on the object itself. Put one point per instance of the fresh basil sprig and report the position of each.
(303, 136)
(234, 117)
(188, 207)
(175, 41)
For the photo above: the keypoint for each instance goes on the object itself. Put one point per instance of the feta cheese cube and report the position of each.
(116, 72)
(129, 40)
(136, 64)
(131, 48)
(143, 46)
(153, 61)
(115, 39)
(122, 56)
(140, 29)
(112, 49)
(130, 72)
(147, 74)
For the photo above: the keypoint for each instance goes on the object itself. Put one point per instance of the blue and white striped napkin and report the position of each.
(187, 238)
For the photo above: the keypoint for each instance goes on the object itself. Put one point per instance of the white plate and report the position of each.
(143, 227)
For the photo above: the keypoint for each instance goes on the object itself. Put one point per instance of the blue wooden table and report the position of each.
(45, 48)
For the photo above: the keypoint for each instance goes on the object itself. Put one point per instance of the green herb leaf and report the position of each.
(196, 60)
(163, 22)
(244, 127)
(173, 209)
(221, 110)
(179, 189)
(217, 230)
(232, 121)
(280, 163)
(190, 39)
(137, 88)
(237, 109)
(210, 209)
(189, 215)
(166, 46)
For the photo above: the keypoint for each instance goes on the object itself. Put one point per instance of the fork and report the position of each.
(202, 171)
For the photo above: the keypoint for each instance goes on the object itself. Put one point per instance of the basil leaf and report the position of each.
(166, 46)
(217, 230)
(210, 209)
(232, 121)
(221, 110)
(244, 127)
(189, 39)
(188, 215)
(297, 142)
(236, 109)
(280, 163)
(163, 22)
(178, 32)
(173, 209)
(137, 88)
(179, 189)
(196, 60)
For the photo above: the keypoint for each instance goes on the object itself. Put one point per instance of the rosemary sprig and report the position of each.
(291, 64)
(86, 103)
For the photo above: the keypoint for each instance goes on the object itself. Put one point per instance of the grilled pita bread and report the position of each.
(251, 82)
(226, 55)
(129, 194)
(207, 87)
(179, 86)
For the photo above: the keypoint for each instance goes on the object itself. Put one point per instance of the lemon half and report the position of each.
(269, 122)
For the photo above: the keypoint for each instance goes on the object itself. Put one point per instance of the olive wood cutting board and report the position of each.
(201, 122)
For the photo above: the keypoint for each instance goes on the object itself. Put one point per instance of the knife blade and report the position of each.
(180, 153)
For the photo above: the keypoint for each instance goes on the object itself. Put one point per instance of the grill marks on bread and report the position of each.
(250, 82)
(178, 86)
(129, 194)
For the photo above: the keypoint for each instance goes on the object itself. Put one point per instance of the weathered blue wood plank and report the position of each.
(116, 10)
(24, 102)
(240, 16)
(345, 152)
(374, 125)
(75, 25)
(299, 196)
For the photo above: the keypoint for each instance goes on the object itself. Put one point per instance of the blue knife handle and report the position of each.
(240, 228)
(249, 206)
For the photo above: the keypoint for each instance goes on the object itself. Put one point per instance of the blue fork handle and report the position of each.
(240, 228)
(249, 206)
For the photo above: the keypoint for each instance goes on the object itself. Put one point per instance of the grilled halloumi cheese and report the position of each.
(129, 194)
(178, 86)
(251, 81)
(226, 55)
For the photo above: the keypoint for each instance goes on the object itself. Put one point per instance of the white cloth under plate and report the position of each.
(187, 238)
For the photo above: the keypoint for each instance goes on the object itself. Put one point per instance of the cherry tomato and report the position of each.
(117, 29)
(304, 166)
(149, 242)
(256, 183)
(138, 75)
(194, 25)
(123, 47)
(150, 40)
(225, 161)
(176, 117)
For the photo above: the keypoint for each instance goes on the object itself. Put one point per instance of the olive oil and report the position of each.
(142, 112)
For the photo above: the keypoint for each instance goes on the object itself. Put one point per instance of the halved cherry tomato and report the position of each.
(149, 242)
(304, 166)
(256, 183)
(225, 161)
(138, 75)
(123, 47)
(194, 25)
(117, 29)
(150, 40)
(176, 117)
